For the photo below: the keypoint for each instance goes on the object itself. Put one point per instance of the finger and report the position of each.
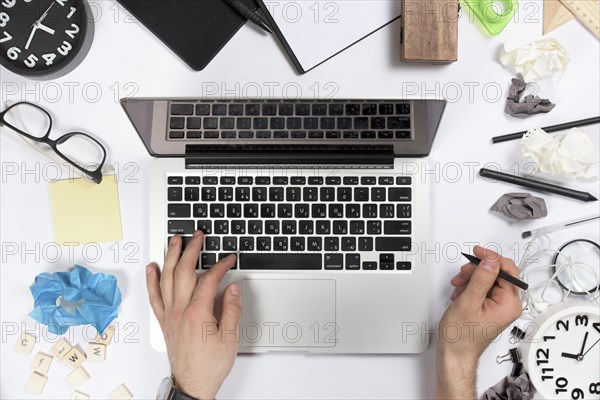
(464, 276)
(457, 292)
(208, 284)
(231, 313)
(154, 294)
(506, 264)
(166, 276)
(185, 271)
(483, 279)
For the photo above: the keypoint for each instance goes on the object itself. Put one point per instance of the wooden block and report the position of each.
(96, 352)
(41, 363)
(107, 337)
(121, 393)
(78, 377)
(35, 383)
(75, 357)
(25, 343)
(61, 348)
(429, 31)
(77, 395)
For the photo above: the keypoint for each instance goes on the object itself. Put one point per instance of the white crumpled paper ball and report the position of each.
(538, 59)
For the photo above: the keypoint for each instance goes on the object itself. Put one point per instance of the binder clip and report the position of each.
(494, 15)
(516, 335)
(513, 355)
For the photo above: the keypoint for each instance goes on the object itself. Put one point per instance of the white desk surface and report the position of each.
(126, 59)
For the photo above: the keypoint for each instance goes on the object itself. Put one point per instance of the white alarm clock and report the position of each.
(562, 355)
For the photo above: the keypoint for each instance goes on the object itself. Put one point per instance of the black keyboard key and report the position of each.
(226, 193)
(177, 123)
(386, 109)
(369, 109)
(333, 134)
(228, 180)
(182, 109)
(267, 210)
(181, 227)
(276, 194)
(286, 109)
(245, 180)
(174, 194)
(293, 194)
(301, 211)
(269, 109)
(398, 123)
(280, 243)
(227, 123)
(280, 261)
(178, 211)
(370, 210)
(228, 135)
(297, 243)
(194, 123)
(327, 123)
(378, 194)
(385, 134)
(207, 260)
(219, 109)
(352, 211)
(288, 227)
(293, 123)
(403, 211)
(336, 109)
(399, 194)
(311, 123)
(315, 243)
(185, 240)
(264, 134)
(200, 210)
(377, 123)
(192, 194)
(315, 180)
(260, 123)
(252, 109)
(259, 194)
(298, 180)
(262, 180)
(327, 194)
(361, 123)
(251, 210)
(368, 135)
(353, 109)
(210, 180)
(344, 194)
(397, 227)
(340, 227)
(217, 211)
(246, 243)
(386, 180)
(243, 123)
(229, 243)
(211, 135)
(344, 123)
(213, 243)
(236, 109)
(204, 226)
(349, 243)
(263, 243)
(386, 211)
(403, 180)
(223, 255)
(242, 193)
(361, 194)
(403, 265)
(280, 180)
(192, 180)
(302, 109)
(365, 243)
(202, 109)
(336, 210)
(350, 180)
(208, 193)
(350, 135)
(238, 227)
(298, 134)
(210, 123)
(319, 109)
(176, 135)
(402, 134)
(392, 243)
(277, 123)
(319, 211)
(194, 135)
(323, 227)
(334, 261)
(369, 265)
(306, 227)
(353, 261)
(403, 108)
(272, 227)
(386, 261)
(175, 180)
(255, 227)
(368, 180)
(357, 227)
(284, 211)
(333, 180)
(374, 227)
(221, 227)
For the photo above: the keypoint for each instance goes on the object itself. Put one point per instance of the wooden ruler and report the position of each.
(586, 11)
(555, 15)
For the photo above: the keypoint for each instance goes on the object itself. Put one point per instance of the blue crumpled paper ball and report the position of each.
(88, 298)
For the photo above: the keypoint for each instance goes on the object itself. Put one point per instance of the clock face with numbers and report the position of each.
(42, 37)
(562, 356)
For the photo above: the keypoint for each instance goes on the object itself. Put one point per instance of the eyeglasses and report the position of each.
(78, 149)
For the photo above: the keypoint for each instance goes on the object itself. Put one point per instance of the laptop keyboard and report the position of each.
(289, 119)
(342, 222)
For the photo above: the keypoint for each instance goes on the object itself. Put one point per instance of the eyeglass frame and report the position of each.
(95, 175)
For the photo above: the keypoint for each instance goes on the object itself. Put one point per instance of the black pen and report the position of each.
(249, 14)
(548, 129)
(538, 185)
(502, 274)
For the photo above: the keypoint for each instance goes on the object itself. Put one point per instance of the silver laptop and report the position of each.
(325, 203)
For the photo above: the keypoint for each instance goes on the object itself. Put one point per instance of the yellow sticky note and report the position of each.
(84, 212)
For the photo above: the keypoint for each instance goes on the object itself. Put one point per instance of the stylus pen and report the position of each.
(538, 185)
(501, 274)
(553, 128)
(558, 227)
(249, 14)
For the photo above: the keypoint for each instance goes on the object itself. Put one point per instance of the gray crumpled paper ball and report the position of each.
(520, 206)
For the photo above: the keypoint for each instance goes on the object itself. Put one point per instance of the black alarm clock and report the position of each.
(44, 38)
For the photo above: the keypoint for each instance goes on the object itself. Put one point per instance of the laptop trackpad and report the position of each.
(289, 313)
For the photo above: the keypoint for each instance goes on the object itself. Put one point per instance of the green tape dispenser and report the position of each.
(494, 15)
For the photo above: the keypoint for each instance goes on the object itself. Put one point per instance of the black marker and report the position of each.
(249, 14)
(502, 275)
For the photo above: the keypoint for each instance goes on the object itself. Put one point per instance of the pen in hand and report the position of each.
(501, 275)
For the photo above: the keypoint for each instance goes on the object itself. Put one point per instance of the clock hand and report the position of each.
(44, 14)
(588, 350)
(569, 355)
(45, 28)
(35, 27)
(583, 345)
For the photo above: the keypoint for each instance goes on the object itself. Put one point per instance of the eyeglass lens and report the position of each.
(33, 121)
(81, 150)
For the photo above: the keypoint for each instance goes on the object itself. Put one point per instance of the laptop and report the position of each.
(325, 203)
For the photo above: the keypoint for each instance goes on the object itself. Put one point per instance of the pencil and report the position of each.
(538, 185)
(501, 275)
(553, 128)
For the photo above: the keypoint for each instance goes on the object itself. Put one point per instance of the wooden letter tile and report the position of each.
(36, 383)
(96, 352)
(121, 393)
(107, 337)
(78, 377)
(61, 348)
(25, 343)
(77, 395)
(41, 363)
(75, 357)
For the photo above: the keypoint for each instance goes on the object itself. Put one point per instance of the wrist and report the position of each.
(192, 391)
(456, 375)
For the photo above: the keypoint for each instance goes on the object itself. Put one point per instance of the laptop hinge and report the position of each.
(306, 156)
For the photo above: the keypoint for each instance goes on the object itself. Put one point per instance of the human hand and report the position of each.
(201, 349)
(482, 307)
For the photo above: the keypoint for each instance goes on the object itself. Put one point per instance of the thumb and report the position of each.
(481, 282)
(231, 311)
